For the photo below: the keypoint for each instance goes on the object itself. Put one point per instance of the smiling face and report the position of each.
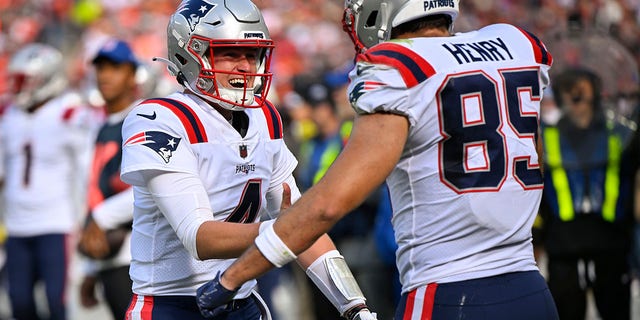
(234, 64)
(231, 72)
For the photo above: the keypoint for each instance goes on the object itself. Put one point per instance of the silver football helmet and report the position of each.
(198, 28)
(36, 73)
(369, 22)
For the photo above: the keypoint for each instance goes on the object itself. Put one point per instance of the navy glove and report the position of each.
(212, 297)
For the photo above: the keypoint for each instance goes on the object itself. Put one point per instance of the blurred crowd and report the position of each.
(308, 33)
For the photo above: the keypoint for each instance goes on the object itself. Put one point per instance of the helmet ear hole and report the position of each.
(181, 59)
(371, 20)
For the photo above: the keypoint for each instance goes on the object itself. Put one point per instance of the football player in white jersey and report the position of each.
(207, 164)
(46, 138)
(451, 122)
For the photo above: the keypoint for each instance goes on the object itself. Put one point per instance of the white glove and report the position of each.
(365, 314)
(359, 312)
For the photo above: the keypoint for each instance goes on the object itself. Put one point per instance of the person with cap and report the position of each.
(105, 239)
(46, 136)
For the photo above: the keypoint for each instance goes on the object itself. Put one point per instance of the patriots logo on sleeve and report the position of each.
(162, 143)
(194, 10)
(362, 87)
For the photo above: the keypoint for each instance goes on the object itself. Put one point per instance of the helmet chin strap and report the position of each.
(236, 96)
(227, 96)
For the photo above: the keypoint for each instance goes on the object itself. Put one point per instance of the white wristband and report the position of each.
(265, 224)
(272, 247)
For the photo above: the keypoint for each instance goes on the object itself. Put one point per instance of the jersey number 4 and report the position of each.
(249, 206)
(473, 154)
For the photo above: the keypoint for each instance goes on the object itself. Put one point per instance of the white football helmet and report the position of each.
(194, 32)
(369, 22)
(36, 74)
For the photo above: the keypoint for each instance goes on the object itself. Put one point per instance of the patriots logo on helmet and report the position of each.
(194, 10)
(162, 143)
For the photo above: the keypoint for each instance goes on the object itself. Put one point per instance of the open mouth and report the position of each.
(237, 83)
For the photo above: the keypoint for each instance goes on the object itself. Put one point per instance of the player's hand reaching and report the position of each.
(213, 298)
(286, 197)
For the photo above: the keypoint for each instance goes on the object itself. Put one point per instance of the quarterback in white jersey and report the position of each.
(238, 173)
(451, 121)
(206, 165)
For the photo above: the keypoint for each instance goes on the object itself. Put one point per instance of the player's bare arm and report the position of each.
(228, 240)
(224, 240)
(368, 158)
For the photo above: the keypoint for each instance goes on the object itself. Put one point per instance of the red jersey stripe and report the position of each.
(408, 309)
(147, 308)
(429, 299)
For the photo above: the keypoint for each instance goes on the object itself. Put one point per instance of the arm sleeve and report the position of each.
(286, 163)
(115, 210)
(183, 201)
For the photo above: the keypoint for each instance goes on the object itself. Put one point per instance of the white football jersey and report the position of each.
(182, 133)
(47, 154)
(467, 187)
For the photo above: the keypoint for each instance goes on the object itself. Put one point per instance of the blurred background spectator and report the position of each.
(311, 48)
(586, 217)
(309, 36)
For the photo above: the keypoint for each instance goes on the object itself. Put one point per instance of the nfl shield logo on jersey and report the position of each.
(243, 151)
